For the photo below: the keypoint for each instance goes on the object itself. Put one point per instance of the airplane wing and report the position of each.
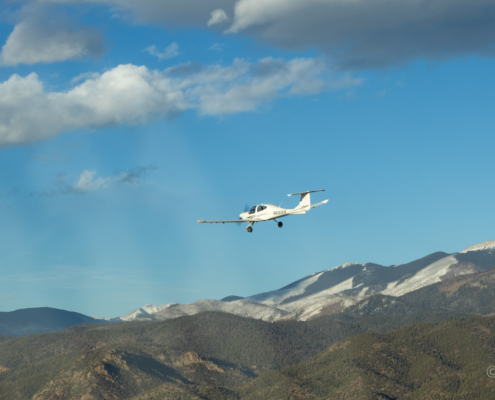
(222, 222)
(319, 204)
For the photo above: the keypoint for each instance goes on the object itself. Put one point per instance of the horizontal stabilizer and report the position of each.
(319, 204)
(201, 221)
(309, 191)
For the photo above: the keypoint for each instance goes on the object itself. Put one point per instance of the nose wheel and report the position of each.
(280, 224)
(249, 229)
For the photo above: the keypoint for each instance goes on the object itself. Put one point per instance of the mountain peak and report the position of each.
(488, 245)
(348, 264)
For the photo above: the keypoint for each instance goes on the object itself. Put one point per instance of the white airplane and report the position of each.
(267, 212)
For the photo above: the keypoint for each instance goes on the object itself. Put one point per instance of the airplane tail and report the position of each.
(305, 201)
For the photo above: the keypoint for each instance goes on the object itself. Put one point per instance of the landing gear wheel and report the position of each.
(280, 224)
(249, 229)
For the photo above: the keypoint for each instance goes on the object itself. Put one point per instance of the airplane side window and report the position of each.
(261, 208)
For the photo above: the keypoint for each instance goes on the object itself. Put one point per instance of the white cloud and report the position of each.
(40, 39)
(217, 17)
(88, 183)
(125, 94)
(130, 94)
(170, 51)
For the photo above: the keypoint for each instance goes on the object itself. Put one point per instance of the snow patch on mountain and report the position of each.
(427, 276)
(318, 297)
(391, 285)
(348, 264)
(275, 297)
(488, 245)
(243, 308)
(145, 311)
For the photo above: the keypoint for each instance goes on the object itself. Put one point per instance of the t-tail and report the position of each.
(305, 201)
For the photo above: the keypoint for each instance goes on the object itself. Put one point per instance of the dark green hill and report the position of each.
(448, 360)
(188, 356)
(38, 320)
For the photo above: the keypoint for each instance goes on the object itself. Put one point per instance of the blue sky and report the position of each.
(111, 150)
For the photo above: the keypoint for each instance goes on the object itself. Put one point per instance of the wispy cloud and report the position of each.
(88, 181)
(217, 47)
(6, 297)
(170, 51)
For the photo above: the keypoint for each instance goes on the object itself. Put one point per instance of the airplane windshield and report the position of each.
(252, 210)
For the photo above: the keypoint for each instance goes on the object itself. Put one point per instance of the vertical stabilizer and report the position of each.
(305, 201)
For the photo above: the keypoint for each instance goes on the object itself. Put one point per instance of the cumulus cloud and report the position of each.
(369, 34)
(130, 94)
(41, 39)
(125, 94)
(170, 51)
(217, 17)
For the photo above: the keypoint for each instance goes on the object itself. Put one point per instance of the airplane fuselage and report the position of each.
(266, 212)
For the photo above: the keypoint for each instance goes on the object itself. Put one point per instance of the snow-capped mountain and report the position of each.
(243, 308)
(335, 289)
(146, 311)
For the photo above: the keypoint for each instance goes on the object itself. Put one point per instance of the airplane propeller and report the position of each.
(246, 208)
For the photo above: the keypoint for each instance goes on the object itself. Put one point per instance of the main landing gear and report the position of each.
(280, 224)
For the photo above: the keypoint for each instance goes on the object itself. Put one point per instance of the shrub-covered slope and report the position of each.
(448, 360)
(189, 356)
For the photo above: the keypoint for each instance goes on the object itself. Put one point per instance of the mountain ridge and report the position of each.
(345, 285)
(328, 292)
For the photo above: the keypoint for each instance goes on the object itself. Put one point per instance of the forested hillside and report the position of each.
(448, 360)
(190, 355)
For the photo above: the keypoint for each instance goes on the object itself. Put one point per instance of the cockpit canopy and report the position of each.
(253, 209)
